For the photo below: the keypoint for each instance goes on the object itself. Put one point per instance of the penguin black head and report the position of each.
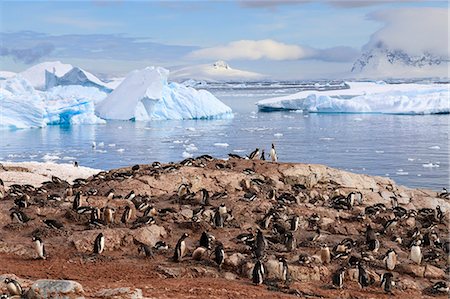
(35, 238)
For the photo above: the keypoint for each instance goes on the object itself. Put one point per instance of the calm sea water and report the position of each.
(413, 150)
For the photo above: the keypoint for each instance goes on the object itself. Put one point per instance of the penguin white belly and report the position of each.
(391, 262)
(416, 254)
(39, 249)
(102, 245)
(182, 249)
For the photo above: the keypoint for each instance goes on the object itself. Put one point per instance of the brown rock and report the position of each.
(235, 260)
(304, 274)
(412, 269)
(433, 272)
(48, 288)
(120, 293)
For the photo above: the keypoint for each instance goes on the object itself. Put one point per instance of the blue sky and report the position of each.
(116, 37)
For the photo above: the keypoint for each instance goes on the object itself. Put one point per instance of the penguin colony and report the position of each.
(286, 224)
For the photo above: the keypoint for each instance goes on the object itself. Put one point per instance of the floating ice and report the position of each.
(221, 144)
(430, 165)
(146, 95)
(436, 147)
(278, 135)
(367, 97)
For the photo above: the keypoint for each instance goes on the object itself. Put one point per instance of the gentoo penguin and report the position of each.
(161, 245)
(53, 223)
(363, 277)
(290, 242)
(110, 194)
(295, 221)
(284, 269)
(387, 282)
(258, 273)
(75, 163)
(14, 287)
(218, 219)
(254, 155)
(180, 248)
(19, 216)
(99, 243)
(205, 197)
(219, 255)
(145, 249)
(198, 253)
(273, 154)
(77, 200)
(338, 278)
(130, 195)
(2, 189)
(260, 244)
(223, 209)
(370, 234)
(374, 245)
(206, 239)
(440, 287)
(108, 215)
(416, 253)
(183, 191)
(126, 216)
(439, 215)
(39, 246)
(263, 156)
(390, 259)
(317, 235)
(69, 191)
(325, 254)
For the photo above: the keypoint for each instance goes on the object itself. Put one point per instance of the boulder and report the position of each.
(433, 272)
(47, 288)
(412, 269)
(120, 293)
(235, 260)
(149, 234)
(305, 274)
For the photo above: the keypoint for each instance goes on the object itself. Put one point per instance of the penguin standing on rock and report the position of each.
(284, 269)
(99, 244)
(2, 189)
(39, 246)
(390, 260)
(260, 244)
(325, 254)
(14, 287)
(126, 216)
(258, 273)
(180, 248)
(416, 252)
(273, 154)
(254, 155)
(363, 277)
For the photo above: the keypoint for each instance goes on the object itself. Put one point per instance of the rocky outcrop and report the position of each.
(47, 288)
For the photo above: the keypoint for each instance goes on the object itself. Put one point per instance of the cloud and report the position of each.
(412, 30)
(272, 50)
(29, 47)
(272, 4)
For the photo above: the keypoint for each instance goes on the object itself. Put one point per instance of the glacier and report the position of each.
(146, 95)
(367, 97)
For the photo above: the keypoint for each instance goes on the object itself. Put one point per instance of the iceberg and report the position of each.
(35, 75)
(367, 97)
(76, 76)
(146, 95)
(21, 106)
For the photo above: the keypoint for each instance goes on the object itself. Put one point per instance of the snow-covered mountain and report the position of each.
(76, 76)
(5, 75)
(217, 71)
(382, 62)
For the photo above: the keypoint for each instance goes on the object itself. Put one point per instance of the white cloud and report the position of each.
(272, 50)
(413, 30)
(254, 50)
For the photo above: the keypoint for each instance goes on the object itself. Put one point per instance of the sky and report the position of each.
(281, 39)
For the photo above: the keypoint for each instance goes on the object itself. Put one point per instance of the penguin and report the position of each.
(19, 216)
(108, 215)
(2, 189)
(374, 245)
(180, 248)
(22, 202)
(390, 259)
(219, 255)
(290, 242)
(263, 156)
(76, 201)
(218, 219)
(273, 154)
(223, 209)
(439, 215)
(389, 225)
(183, 191)
(260, 244)
(14, 287)
(440, 287)
(205, 240)
(370, 234)
(145, 249)
(69, 191)
(325, 254)
(258, 273)
(161, 245)
(295, 221)
(316, 235)
(99, 244)
(126, 216)
(284, 269)
(254, 155)
(110, 194)
(39, 246)
(416, 253)
(198, 253)
(53, 223)
(205, 197)
(387, 282)
(363, 277)
(75, 163)
(130, 195)
(338, 278)
(265, 222)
